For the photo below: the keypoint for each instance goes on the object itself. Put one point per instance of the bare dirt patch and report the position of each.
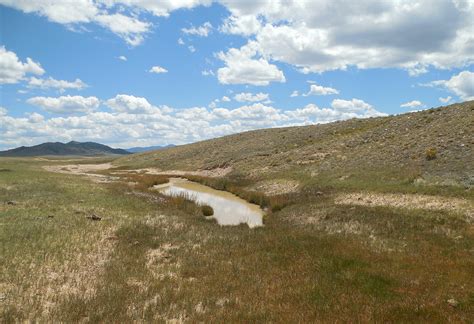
(83, 169)
(409, 201)
(276, 186)
(212, 173)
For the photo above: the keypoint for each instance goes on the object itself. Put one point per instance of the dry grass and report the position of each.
(157, 259)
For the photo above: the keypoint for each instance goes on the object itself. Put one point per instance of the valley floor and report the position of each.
(333, 252)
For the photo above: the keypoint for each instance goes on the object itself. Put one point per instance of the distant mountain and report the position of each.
(71, 148)
(148, 148)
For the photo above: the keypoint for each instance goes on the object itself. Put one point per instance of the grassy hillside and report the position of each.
(358, 148)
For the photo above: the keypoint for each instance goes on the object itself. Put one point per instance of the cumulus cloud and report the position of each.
(249, 97)
(130, 104)
(158, 69)
(295, 93)
(445, 100)
(135, 121)
(203, 31)
(243, 67)
(406, 34)
(355, 106)
(225, 99)
(122, 58)
(241, 25)
(66, 104)
(461, 84)
(320, 91)
(12, 70)
(412, 104)
(51, 83)
(79, 12)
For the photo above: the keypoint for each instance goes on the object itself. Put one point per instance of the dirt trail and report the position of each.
(83, 169)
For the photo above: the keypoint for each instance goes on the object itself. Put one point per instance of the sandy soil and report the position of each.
(276, 186)
(82, 169)
(214, 173)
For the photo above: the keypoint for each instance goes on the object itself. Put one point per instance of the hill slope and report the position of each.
(71, 148)
(357, 148)
(140, 149)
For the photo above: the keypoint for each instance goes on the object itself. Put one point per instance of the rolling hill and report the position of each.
(57, 148)
(140, 149)
(397, 146)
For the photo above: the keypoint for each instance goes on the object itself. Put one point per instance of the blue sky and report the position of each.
(86, 71)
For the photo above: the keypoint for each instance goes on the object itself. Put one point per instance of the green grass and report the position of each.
(155, 259)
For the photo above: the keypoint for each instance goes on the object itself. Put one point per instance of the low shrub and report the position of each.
(207, 210)
(145, 181)
(431, 153)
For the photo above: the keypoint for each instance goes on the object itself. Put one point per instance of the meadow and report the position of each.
(322, 255)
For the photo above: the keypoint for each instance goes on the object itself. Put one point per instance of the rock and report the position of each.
(50, 216)
(94, 217)
(319, 193)
(11, 202)
(81, 201)
(452, 302)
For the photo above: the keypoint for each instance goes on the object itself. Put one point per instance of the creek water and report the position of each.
(228, 208)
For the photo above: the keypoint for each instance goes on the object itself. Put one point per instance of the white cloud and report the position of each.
(136, 120)
(191, 48)
(295, 93)
(241, 25)
(412, 104)
(204, 30)
(243, 68)
(320, 91)
(35, 117)
(225, 99)
(122, 58)
(158, 69)
(355, 106)
(12, 70)
(324, 35)
(75, 13)
(462, 85)
(180, 41)
(61, 85)
(130, 29)
(246, 96)
(207, 72)
(131, 105)
(66, 104)
(445, 100)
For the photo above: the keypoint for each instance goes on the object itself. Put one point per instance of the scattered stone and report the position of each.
(11, 202)
(2, 297)
(81, 201)
(453, 302)
(94, 217)
(50, 216)
(319, 193)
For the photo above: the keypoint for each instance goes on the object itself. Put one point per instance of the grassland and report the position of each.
(364, 241)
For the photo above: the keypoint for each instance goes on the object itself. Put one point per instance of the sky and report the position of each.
(141, 72)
